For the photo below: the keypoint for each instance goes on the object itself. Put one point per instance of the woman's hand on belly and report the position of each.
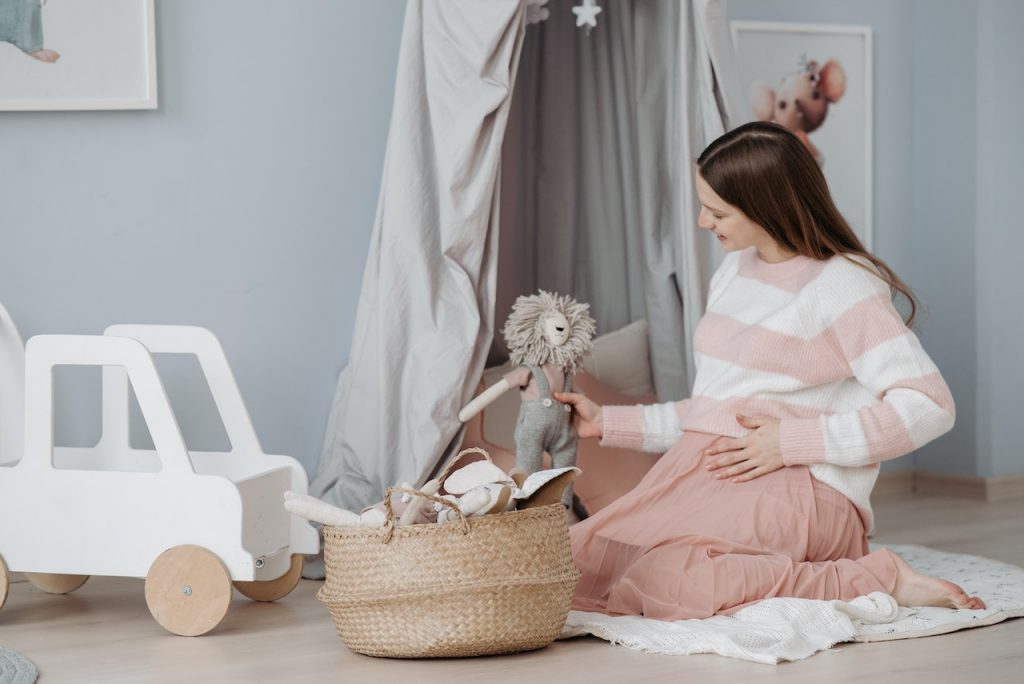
(747, 457)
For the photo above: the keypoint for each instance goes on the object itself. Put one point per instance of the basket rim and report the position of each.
(492, 519)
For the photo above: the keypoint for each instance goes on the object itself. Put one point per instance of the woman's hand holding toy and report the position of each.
(586, 415)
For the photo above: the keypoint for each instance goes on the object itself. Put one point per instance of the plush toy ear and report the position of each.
(833, 80)
(550, 491)
(762, 101)
(518, 476)
(501, 497)
(473, 475)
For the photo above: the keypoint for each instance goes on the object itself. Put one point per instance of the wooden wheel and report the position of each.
(188, 590)
(54, 583)
(271, 590)
(5, 582)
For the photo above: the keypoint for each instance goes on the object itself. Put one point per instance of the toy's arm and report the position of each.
(484, 399)
(417, 504)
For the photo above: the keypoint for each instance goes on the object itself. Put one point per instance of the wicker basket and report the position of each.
(498, 583)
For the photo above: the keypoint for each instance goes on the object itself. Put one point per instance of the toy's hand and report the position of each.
(750, 456)
(586, 415)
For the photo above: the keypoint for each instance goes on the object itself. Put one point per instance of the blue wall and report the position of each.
(243, 204)
(999, 102)
(948, 159)
(940, 265)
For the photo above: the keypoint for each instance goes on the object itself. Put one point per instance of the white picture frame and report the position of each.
(75, 55)
(770, 51)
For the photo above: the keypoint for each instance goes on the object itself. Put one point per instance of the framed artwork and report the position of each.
(75, 54)
(815, 79)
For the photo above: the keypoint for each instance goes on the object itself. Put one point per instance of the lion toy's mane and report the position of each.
(524, 331)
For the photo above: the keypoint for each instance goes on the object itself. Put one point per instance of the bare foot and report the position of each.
(914, 589)
(48, 56)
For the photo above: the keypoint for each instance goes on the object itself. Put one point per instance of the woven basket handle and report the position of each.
(389, 524)
(458, 457)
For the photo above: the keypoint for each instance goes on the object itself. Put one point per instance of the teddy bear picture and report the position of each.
(21, 25)
(816, 80)
(67, 55)
(802, 99)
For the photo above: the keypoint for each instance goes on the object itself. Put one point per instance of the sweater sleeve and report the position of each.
(644, 427)
(912, 404)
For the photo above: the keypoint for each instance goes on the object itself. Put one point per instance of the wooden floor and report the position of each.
(104, 633)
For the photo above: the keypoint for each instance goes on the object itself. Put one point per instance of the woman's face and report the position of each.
(732, 227)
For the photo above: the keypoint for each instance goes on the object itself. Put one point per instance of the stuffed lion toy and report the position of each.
(548, 335)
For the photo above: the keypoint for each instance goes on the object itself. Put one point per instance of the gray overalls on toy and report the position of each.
(545, 424)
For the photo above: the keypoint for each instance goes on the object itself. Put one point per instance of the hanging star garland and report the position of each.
(586, 14)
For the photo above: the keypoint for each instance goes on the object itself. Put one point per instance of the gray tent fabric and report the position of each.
(601, 205)
(710, 101)
(597, 176)
(425, 317)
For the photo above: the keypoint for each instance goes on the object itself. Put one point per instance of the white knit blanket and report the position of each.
(792, 629)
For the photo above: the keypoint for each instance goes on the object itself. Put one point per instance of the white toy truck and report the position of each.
(191, 523)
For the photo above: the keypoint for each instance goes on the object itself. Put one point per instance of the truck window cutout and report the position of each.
(191, 401)
(77, 406)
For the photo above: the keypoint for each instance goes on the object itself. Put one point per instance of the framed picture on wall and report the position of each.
(70, 54)
(815, 79)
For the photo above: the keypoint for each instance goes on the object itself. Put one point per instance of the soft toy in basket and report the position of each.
(473, 585)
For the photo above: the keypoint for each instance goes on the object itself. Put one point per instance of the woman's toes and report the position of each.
(963, 600)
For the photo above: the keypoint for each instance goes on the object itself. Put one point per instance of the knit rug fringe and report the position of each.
(16, 668)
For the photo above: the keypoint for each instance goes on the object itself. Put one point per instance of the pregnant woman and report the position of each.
(807, 378)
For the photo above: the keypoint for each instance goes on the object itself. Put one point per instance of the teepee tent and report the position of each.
(561, 157)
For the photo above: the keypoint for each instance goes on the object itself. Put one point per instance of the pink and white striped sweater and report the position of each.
(817, 345)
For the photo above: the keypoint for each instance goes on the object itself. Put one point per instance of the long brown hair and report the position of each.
(766, 172)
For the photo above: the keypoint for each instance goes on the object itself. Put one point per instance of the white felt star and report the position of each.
(536, 12)
(587, 13)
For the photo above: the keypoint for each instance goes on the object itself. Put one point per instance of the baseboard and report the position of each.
(903, 482)
(944, 484)
(969, 486)
(893, 483)
(1006, 487)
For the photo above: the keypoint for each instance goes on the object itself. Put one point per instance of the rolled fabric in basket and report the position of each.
(314, 509)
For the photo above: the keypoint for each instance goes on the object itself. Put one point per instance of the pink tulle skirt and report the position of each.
(685, 545)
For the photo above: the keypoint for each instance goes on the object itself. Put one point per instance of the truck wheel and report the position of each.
(188, 590)
(5, 582)
(55, 584)
(271, 590)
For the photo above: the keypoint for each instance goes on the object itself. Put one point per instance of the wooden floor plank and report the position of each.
(104, 633)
